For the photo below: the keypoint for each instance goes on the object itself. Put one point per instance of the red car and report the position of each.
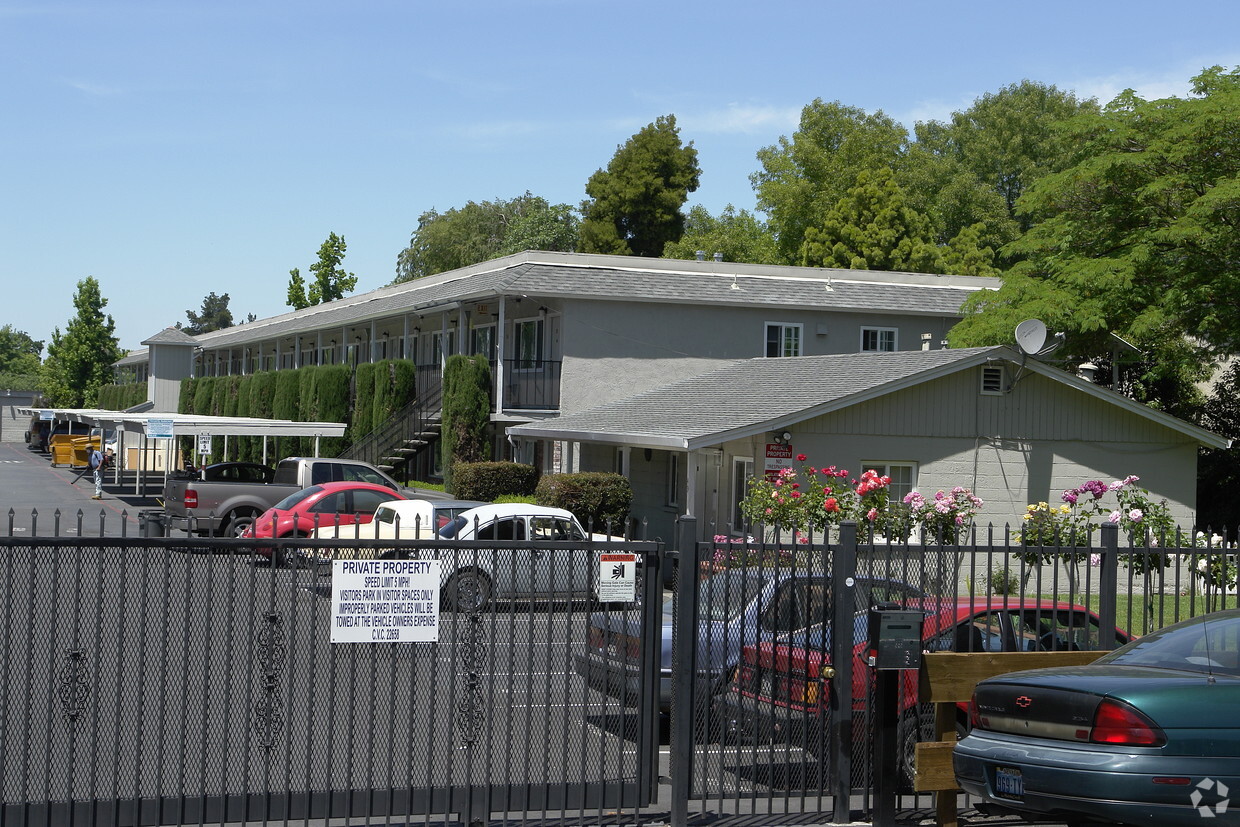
(326, 504)
(780, 687)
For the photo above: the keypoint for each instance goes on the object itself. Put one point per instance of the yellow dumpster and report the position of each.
(74, 451)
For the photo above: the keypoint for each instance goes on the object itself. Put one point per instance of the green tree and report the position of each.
(1140, 239)
(214, 315)
(738, 236)
(804, 176)
(1010, 138)
(635, 204)
(483, 231)
(330, 281)
(80, 361)
(19, 354)
(873, 228)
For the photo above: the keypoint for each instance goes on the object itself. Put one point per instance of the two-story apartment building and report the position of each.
(568, 334)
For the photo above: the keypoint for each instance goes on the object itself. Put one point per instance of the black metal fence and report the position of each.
(177, 680)
(760, 722)
(162, 680)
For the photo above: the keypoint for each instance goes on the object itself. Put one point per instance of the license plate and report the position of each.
(1009, 783)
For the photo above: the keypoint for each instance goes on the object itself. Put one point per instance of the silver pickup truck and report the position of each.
(228, 506)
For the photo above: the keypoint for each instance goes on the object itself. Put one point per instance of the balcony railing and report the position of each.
(531, 385)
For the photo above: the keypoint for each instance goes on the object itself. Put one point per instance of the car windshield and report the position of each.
(723, 595)
(1204, 644)
(296, 497)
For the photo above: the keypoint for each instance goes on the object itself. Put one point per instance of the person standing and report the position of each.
(95, 460)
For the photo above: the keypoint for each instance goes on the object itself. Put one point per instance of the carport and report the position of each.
(159, 431)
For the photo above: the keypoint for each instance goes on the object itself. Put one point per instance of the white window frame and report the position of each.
(520, 361)
(885, 467)
(786, 333)
(672, 492)
(742, 473)
(475, 334)
(880, 335)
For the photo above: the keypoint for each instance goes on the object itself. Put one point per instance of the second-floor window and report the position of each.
(783, 339)
(483, 342)
(878, 339)
(529, 343)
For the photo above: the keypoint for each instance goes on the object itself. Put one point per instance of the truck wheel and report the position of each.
(239, 521)
(467, 591)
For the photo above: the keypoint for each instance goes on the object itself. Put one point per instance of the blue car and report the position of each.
(737, 608)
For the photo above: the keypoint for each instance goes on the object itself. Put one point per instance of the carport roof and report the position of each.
(192, 424)
(750, 396)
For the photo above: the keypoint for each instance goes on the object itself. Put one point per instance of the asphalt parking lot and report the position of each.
(41, 500)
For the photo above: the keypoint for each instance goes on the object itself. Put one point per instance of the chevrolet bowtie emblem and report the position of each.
(1024, 701)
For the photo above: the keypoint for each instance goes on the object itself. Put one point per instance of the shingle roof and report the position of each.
(171, 336)
(751, 395)
(623, 278)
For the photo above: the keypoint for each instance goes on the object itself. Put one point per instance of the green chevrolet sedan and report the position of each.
(1147, 734)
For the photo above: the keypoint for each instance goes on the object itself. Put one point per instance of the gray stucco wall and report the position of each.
(612, 350)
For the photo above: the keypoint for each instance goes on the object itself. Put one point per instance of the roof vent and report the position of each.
(700, 255)
(718, 256)
(1087, 371)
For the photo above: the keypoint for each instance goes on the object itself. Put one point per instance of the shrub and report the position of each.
(488, 481)
(466, 414)
(597, 499)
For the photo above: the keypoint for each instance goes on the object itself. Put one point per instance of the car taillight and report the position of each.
(975, 716)
(191, 498)
(1115, 722)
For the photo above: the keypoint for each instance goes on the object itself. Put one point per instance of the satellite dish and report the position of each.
(1030, 336)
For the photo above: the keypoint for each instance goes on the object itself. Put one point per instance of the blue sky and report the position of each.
(171, 149)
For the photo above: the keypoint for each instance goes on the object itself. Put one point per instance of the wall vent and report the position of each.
(992, 379)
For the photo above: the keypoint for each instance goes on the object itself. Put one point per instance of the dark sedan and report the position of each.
(1148, 734)
(736, 608)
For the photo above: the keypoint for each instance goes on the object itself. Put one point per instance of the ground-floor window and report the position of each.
(903, 477)
(742, 473)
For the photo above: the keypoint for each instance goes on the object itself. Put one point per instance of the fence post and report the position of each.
(843, 569)
(684, 656)
(1108, 588)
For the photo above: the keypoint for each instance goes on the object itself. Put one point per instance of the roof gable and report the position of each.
(750, 396)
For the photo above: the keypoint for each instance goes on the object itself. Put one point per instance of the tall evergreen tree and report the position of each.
(214, 315)
(873, 228)
(330, 281)
(80, 361)
(635, 204)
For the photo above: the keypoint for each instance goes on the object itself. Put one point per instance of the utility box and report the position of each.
(895, 638)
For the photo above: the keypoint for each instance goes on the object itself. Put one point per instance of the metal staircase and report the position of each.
(411, 430)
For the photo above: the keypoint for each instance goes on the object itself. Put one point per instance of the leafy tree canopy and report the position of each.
(804, 176)
(80, 361)
(483, 231)
(738, 236)
(874, 227)
(330, 281)
(1140, 238)
(634, 205)
(214, 315)
(19, 354)
(1010, 138)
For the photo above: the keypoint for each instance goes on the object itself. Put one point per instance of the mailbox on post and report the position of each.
(895, 643)
(895, 638)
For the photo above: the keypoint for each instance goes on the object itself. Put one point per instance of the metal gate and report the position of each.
(175, 681)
